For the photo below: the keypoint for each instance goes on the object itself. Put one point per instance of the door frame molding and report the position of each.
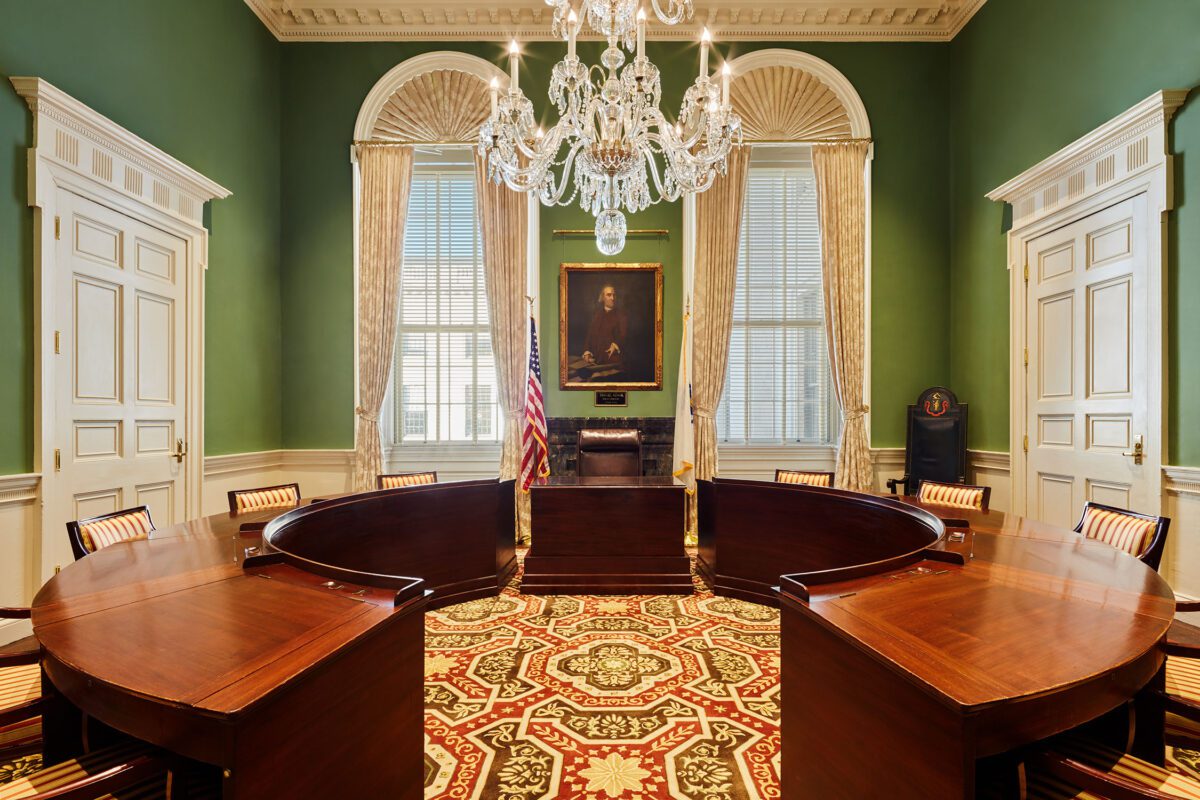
(1124, 157)
(83, 152)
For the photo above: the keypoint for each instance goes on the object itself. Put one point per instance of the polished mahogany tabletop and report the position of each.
(1035, 620)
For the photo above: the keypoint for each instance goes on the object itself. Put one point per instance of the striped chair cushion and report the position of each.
(414, 479)
(59, 775)
(806, 478)
(1116, 763)
(1123, 531)
(267, 498)
(121, 528)
(949, 494)
(20, 685)
(27, 731)
(1183, 677)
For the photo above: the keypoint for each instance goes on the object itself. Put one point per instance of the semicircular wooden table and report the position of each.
(1003, 632)
(293, 674)
(294, 682)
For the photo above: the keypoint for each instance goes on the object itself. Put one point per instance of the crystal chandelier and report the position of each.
(611, 141)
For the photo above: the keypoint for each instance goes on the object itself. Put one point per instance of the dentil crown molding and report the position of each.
(473, 20)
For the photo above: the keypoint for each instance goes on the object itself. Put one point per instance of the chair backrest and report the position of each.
(396, 480)
(91, 534)
(936, 448)
(609, 452)
(285, 494)
(806, 478)
(959, 495)
(1141, 535)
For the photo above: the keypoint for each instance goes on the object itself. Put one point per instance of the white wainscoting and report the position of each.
(328, 472)
(317, 471)
(451, 463)
(1181, 561)
(20, 510)
(758, 463)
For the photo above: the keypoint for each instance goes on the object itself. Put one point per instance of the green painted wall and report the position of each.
(903, 86)
(1027, 78)
(199, 80)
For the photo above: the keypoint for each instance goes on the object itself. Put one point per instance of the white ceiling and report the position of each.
(467, 20)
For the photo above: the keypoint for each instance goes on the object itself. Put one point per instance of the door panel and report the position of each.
(1086, 390)
(120, 375)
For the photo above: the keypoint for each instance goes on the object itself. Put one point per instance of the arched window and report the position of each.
(777, 387)
(444, 386)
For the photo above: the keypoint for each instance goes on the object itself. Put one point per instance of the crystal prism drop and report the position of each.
(610, 232)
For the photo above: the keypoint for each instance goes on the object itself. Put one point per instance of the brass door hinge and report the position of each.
(1027, 272)
(1025, 444)
(57, 228)
(1026, 357)
(57, 342)
(57, 460)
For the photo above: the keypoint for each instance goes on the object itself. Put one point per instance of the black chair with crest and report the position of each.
(936, 448)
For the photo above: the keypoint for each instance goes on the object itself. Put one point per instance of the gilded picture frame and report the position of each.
(610, 326)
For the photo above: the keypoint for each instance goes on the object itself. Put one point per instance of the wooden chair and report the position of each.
(131, 771)
(21, 701)
(285, 494)
(1141, 535)
(397, 480)
(1074, 765)
(958, 495)
(1180, 694)
(795, 476)
(91, 534)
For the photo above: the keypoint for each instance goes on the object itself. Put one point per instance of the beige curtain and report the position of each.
(504, 220)
(386, 173)
(841, 199)
(718, 226)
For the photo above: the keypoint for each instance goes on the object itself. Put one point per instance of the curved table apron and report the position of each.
(938, 651)
(297, 672)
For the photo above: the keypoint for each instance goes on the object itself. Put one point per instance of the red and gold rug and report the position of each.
(594, 698)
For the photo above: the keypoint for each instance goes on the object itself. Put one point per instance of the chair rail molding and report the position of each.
(80, 150)
(1126, 156)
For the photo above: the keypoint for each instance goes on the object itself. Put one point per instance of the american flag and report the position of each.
(535, 456)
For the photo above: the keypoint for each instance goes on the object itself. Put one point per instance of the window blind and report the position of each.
(445, 373)
(777, 380)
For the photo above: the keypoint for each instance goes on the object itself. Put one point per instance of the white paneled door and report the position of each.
(1087, 386)
(120, 368)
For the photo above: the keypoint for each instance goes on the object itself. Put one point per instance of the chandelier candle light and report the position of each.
(611, 141)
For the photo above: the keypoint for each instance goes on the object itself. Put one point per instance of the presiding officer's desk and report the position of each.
(994, 634)
(290, 658)
(607, 535)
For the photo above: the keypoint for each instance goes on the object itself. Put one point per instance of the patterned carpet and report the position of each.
(592, 698)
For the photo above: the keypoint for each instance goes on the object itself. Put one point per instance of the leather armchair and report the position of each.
(609, 452)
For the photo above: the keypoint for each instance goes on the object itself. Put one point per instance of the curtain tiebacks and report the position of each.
(855, 413)
(703, 414)
(367, 415)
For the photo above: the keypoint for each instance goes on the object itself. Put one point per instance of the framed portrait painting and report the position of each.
(610, 329)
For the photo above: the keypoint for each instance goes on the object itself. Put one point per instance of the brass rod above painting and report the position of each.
(630, 232)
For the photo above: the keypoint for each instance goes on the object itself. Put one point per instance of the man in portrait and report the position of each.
(607, 331)
(610, 326)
